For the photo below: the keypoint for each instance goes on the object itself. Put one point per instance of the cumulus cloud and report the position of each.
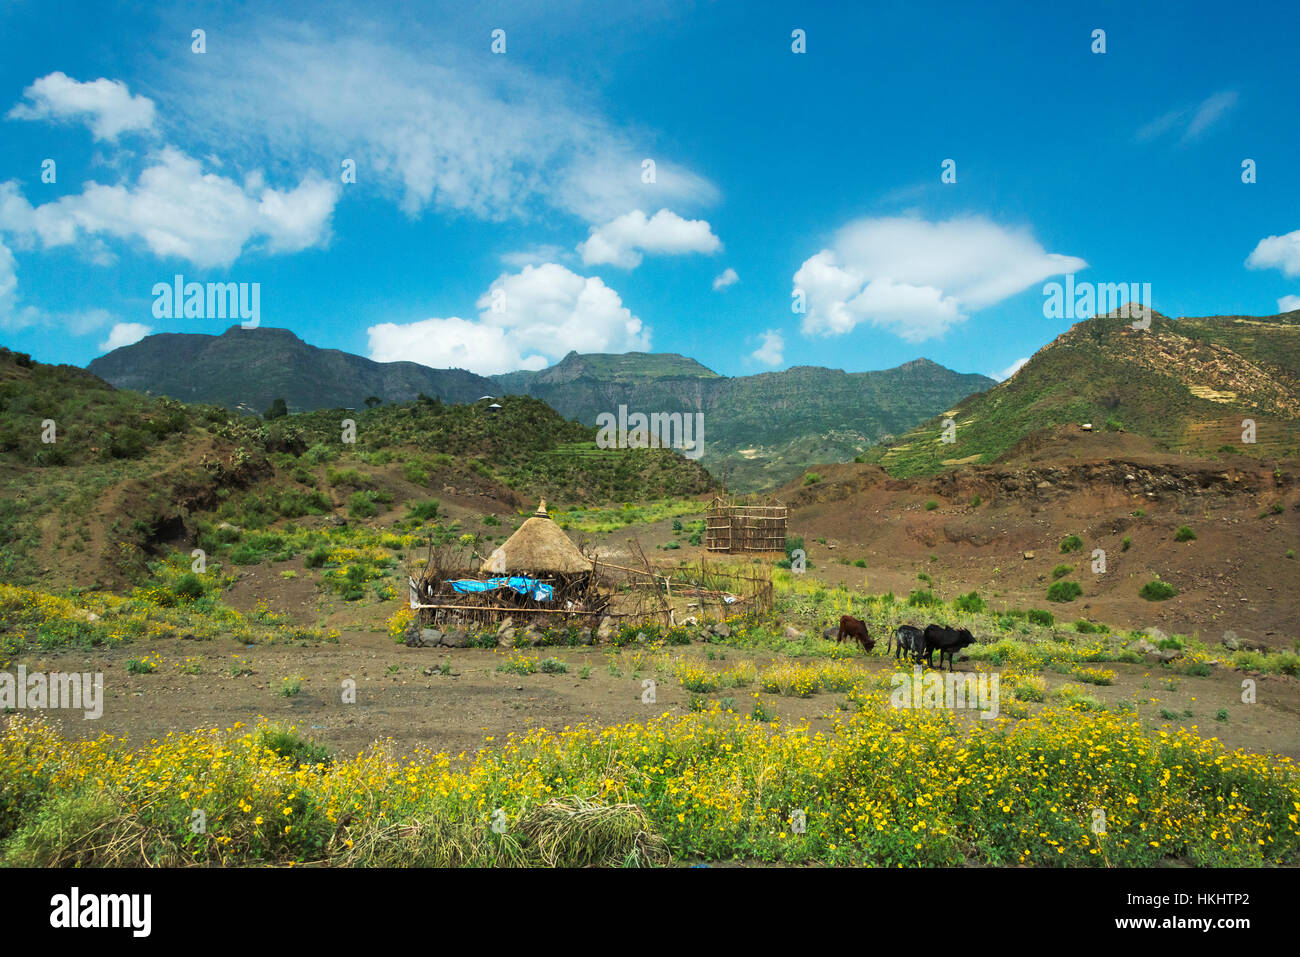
(772, 350)
(1288, 303)
(728, 277)
(536, 256)
(124, 334)
(916, 278)
(1011, 370)
(106, 106)
(176, 209)
(1191, 120)
(11, 317)
(526, 320)
(622, 241)
(1277, 252)
(14, 315)
(428, 124)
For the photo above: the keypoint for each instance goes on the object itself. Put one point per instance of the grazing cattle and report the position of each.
(909, 639)
(855, 629)
(948, 641)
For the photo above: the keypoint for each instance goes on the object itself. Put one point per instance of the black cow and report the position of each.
(909, 639)
(948, 641)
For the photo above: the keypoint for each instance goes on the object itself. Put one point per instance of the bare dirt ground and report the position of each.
(1234, 576)
(401, 694)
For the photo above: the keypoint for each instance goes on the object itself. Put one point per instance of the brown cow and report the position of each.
(856, 629)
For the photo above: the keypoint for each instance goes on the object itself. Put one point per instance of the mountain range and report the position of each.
(247, 369)
(759, 430)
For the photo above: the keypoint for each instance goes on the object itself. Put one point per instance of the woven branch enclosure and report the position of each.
(732, 527)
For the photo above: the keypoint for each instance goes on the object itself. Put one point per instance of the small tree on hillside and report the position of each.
(278, 410)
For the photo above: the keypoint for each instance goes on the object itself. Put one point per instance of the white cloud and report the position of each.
(772, 350)
(427, 123)
(621, 241)
(544, 253)
(15, 316)
(124, 334)
(916, 278)
(11, 316)
(178, 210)
(106, 106)
(728, 277)
(1288, 303)
(1192, 120)
(1277, 252)
(1011, 370)
(526, 320)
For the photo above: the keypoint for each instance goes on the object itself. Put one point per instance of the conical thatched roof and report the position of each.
(539, 546)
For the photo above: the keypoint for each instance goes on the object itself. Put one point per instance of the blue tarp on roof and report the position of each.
(528, 587)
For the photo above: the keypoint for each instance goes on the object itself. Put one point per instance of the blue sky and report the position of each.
(500, 215)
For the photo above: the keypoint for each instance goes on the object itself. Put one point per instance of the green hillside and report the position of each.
(126, 472)
(1187, 384)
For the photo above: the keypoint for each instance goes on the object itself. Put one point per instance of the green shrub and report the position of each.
(287, 743)
(931, 505)
(1156, 590)
(321, 453)
(348, 478)
(1071, 543)
(189, 586)
(972, 603)
(414, 473)
(425, 511)
(1184, 534)
(812, 478)
(362, 505)
(295, 503)
(1064, 591)
(1060, 571)
(1040, 616)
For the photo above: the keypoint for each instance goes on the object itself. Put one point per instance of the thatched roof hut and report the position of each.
(539, 547)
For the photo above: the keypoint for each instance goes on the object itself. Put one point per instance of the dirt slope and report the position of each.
(1105, 488)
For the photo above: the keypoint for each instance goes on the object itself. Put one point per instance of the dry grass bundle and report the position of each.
(573, 832)
(431, 842)
(83, 829)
